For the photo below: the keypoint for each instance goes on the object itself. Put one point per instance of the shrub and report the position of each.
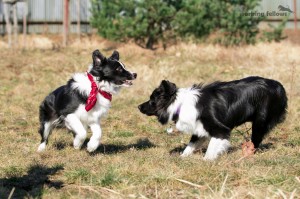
(224, 18)
(150, 22)
(146, 22)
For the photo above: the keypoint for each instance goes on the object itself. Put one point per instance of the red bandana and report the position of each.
(92, 98)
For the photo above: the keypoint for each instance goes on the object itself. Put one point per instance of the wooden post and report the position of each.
(25, 24)
(7, 21)
(66, 23)
(295, 15)
(78, 19)
(15, 18)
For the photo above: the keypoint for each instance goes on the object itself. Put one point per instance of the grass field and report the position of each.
(137, 158)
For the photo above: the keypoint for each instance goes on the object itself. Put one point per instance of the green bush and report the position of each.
(153, 21)
(276, 32)
(223, 18)
(146, 22)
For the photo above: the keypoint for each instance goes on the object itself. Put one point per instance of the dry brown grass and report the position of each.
(134, 160)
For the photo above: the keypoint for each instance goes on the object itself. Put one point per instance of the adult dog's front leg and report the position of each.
(216, 147)
(194, 144)
(95, 139)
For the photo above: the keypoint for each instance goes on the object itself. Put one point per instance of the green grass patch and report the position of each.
(121, 134)
(13, 171)
(78, 176)
(110, 177)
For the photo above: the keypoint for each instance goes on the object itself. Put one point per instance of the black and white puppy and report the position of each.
(84, 100)
(214, 110)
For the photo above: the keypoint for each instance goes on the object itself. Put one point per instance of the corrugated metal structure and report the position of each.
(274, 9)
(46, 16)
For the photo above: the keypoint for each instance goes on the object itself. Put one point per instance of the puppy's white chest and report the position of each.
(93, 116)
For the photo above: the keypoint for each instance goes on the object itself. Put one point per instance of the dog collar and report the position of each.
(92, 98)
(176, 114)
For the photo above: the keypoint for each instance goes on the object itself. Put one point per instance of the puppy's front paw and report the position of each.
(77, 143)
(92, 145)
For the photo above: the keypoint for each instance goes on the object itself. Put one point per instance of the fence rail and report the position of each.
(47, 15)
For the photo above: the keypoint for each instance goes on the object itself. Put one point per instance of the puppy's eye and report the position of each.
(119, 69)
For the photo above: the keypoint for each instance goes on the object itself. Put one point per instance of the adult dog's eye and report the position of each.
(151, 103)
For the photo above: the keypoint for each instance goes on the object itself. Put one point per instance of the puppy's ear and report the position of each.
(98, 58)
(169, 87)
(115, 55)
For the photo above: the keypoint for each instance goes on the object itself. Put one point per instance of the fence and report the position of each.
(46, 16)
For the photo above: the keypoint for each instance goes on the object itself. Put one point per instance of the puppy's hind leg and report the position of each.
(45, 130)
(74, 124)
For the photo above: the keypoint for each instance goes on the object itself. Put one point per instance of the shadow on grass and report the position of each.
(30, 185)
(178, 150)
(263, 147)
(113, 148)
(59, 145)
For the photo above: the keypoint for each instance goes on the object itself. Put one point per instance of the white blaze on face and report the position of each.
(121, 64)
(127, 83)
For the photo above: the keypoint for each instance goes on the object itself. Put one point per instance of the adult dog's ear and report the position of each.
(98, 58)
(169, 87)
(115, 55)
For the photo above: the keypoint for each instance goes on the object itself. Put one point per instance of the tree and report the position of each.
(221, 17)
(146, 22)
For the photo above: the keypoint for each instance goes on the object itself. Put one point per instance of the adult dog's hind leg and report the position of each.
(74, 124)
(259, 130)
(194, 143)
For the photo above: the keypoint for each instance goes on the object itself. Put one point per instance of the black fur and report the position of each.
(160, 100)
(222, 106)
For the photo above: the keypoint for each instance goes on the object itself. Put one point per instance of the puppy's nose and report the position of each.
(134, 75)
(139, 107)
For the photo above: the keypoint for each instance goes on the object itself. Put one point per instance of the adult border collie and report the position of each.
(84, 100)
(214, 110)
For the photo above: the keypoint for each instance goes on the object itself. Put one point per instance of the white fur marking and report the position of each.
(187, 99)
(216, 147)
(47, 129)
(95, 139)
(192, 146)
(42, 147)
(123, 66)
(200, 131)
(73, 123)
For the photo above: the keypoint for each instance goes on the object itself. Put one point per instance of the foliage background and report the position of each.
(163, 21)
